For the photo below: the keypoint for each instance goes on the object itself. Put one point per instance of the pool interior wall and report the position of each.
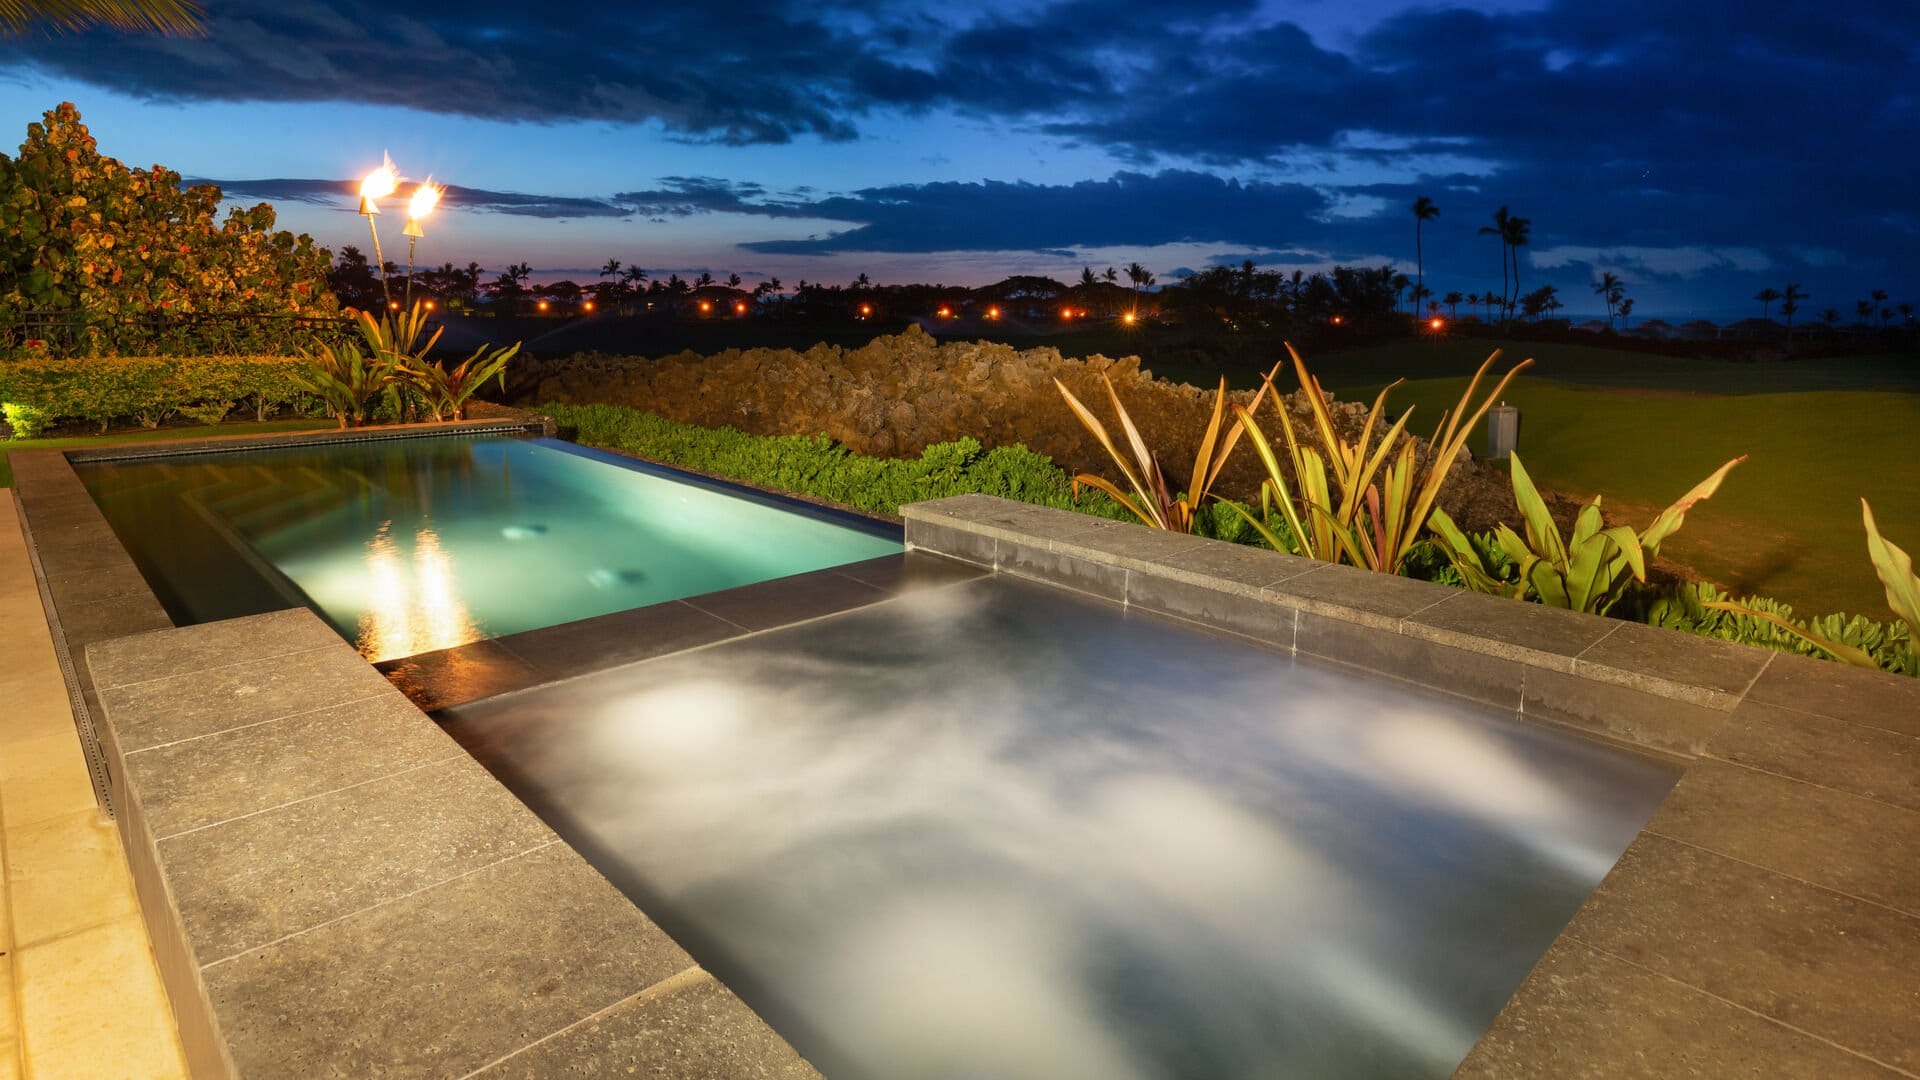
(994, 828)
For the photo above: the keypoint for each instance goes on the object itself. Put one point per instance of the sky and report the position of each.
(1700, 149)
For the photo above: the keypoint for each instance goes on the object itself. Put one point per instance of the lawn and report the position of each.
(1787, 522)
(144, 435)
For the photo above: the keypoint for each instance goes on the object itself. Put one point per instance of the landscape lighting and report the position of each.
(588, 306)
(425, 198)
(739, 307)
(375, 186)
(543, 305)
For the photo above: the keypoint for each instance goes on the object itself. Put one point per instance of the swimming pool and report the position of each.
(993, 829)
(410, 545)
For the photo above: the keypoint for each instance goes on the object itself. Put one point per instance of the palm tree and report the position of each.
(1398, 282)
(171, 17)
(1110, 276)
(1086, 277)
(1499, 229)
(1880, 297)
(705, 279)
(733, 281)
(1766, 297)
(1139, 276)
(1423, 211)
(1519, 233)
(1452, 300)
(1863, 309)
(1789, 304)
(1626, 311)
(1608, 289)
(1906, 312)
(633, 276)
(1831, 317)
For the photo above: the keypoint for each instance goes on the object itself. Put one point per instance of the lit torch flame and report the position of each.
(425, 197)
(378, 184)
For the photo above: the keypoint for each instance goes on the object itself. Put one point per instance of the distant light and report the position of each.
(588, 305)
(866, 310)
(1066, 313)
(1337, 320)
(1129, 318)
(429, 305)
(543, 305)
(1436, 324)
(739, 307)
(394, 304)
(706, 305)
(993, 313)
(946, 313)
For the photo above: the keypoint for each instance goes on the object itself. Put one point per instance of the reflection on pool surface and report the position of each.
(995, 830)
(411, 545)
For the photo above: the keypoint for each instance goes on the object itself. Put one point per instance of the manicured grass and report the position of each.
(1786, 523)
(144, 435)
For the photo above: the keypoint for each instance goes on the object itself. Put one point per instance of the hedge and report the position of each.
(101, 390)
(817, 466)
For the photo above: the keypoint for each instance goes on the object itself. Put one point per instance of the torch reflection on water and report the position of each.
(411, 609)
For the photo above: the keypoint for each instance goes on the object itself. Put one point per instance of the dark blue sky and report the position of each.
(1701, 149)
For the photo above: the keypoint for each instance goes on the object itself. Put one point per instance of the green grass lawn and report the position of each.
(1786, 523)
(143, 435)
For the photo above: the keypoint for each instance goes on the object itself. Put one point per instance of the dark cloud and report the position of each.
(344, 192)
(1172, 206)
(684, 196)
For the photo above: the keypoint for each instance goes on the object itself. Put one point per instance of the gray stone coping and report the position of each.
(334, 887)
(1766, 922)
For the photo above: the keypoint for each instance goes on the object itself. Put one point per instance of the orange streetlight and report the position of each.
(1337, 320)
(993, 313)
(588, 306)
(543, 305)
(1129, 318)
(946, 313)
(1436, 324)
(706, 306)
(866, 310)
(739, 307)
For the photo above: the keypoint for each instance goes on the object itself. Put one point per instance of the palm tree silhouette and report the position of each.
(170, 17)
(1789, 304)
(1880, 297)
(733, 281)
(1423, 211)
(1608, 289)
(1831, 317)
(1519, 232)
(1139, 276)
(1626, 311)
(1499, 229)
(1766, 297)
(1452, 300)
(1863, 309)
(1110, 276)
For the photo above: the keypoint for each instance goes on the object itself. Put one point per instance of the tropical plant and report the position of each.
(1790, 304)
(347, 380)
(1588, 571)
(1423, 212)
(1152, 499)
(1370, 511)
(445, 391)
(1608, 289)
(1499, 230)
(18, 17)
(1892, 565)
(1766, 297)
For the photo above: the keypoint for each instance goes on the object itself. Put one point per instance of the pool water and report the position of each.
(410, 545)
(996, 830)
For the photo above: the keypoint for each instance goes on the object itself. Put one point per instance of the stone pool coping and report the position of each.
(332, 885)
(1765, 922)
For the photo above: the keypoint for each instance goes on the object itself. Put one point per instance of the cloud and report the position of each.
(1683, 262)
(1140, 209)
(344, 192)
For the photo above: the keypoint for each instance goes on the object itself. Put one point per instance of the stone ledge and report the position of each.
(334, 887)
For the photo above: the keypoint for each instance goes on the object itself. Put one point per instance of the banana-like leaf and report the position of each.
(1840, 650)
(1895, 568)
(1671, 518)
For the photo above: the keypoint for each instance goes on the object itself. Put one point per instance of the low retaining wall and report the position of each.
(1766, 921)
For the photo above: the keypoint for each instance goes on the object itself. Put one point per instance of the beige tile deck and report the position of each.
(80, 995)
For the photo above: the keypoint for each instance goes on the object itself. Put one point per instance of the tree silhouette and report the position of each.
(1790, 304)
(1880, 297)
(1519, 232)
(1086, 277)
(1110, 276)
(1626, 311)
(1423, 212)
(705, 279)
(1499, 229)
(1608, 289)
(1766, 297)
(733, 281)
(1863, 309)
(1452, 300)
(1831, 316)
(1140, 278)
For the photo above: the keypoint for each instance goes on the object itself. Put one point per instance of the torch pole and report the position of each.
(367, 208)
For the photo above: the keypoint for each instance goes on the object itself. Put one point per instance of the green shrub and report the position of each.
(101, 390)
(817, 466)
(209, 414)
(25, 421)
(1889, 644)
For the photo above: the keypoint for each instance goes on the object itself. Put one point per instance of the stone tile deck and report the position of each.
(80, 995)
(1765, 923)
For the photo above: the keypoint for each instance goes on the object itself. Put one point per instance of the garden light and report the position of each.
(1436, 324)
(993, 313)
(739, 307)
(706, 306)
(543, 305)
(1129, 318)
(588, 306)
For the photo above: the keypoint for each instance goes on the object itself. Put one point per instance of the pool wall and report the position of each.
(1767, 919)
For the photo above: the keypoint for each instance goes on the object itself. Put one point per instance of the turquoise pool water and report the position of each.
(412, 545)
